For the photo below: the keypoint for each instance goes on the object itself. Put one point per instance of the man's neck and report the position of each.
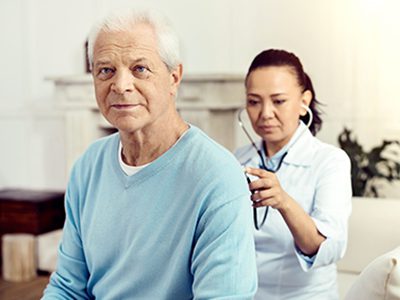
(144, 146)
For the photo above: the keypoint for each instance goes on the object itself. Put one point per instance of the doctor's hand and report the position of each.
(267, 191)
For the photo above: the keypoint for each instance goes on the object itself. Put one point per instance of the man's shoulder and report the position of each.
(245, 153)
(98, 148)
(102, 143)
(217, 174)
(208, 149)
(213, 164)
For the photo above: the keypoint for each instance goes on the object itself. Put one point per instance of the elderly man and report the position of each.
(157, 210)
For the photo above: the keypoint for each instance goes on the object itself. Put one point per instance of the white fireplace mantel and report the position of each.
(209, 101)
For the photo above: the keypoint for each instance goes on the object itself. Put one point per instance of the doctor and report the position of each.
(304, 182)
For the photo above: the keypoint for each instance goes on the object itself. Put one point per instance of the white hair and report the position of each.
(168, 42)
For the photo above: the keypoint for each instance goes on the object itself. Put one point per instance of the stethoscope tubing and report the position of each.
(263, 164)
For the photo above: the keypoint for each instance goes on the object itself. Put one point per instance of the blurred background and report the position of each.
(350, 48)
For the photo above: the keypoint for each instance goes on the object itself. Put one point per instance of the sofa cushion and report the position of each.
(380, 280)
(374, 229)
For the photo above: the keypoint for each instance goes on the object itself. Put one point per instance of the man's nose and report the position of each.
(123, 82)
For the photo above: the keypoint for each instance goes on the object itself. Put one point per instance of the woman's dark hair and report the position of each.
(278, 58)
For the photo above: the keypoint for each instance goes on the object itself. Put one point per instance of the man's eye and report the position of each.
(140, 69)
(104, 72)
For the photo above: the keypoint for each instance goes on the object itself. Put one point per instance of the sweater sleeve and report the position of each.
(223, 260)
(331, 210)
(69, 281)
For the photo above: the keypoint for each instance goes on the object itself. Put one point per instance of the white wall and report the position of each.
(349, 47)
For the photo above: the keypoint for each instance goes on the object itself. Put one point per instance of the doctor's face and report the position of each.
(274, 99)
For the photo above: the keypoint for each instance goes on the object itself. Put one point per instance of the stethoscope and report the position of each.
(263, 165)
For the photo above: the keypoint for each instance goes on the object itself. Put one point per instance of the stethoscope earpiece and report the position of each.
(309, 111)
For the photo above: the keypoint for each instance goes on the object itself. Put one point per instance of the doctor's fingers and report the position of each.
(265, 195)
(272, 202)
(258, 172)
(263, 183)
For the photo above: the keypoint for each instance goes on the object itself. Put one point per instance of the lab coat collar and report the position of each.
(302, 151)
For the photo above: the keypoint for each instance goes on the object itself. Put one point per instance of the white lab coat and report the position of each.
(317, 176)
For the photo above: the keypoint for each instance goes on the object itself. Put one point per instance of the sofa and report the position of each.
(374, 232)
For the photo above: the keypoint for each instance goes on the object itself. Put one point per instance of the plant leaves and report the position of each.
(367, 166)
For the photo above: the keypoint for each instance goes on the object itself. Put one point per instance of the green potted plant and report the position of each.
(369, 166)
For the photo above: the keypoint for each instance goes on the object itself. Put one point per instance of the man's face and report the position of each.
(134, 89)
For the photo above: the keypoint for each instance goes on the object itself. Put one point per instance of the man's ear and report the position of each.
(305, 100)
(176, 77)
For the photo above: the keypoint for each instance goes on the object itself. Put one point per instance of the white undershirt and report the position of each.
(130, 170)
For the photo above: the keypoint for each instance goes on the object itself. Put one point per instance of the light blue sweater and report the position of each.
(181, 228)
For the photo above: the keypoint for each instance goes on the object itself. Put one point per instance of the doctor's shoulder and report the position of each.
(330, 154)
